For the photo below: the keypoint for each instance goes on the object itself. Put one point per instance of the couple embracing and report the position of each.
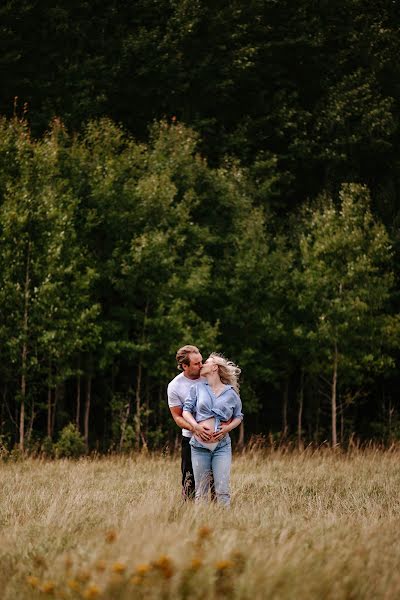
(204, 402)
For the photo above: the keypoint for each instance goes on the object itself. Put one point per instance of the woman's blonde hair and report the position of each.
(227, 370)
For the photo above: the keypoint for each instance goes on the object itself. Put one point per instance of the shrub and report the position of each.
(70, 444)
(47, 447)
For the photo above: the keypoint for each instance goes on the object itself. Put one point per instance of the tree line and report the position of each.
(225, 174)
(115, 252)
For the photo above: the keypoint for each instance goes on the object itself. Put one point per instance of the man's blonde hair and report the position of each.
(183, 355)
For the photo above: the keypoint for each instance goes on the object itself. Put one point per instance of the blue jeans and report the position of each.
(215, 462)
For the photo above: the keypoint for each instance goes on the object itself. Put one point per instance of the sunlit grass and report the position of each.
(321, 525)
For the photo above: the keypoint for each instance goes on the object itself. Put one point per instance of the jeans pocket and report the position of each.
(195, 443)
(226, 441)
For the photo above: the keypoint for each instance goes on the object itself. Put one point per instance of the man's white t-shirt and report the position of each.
(178, 390)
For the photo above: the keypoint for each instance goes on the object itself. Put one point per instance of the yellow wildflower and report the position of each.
(33, 581)
(223, 565)
(118, 567)
(48, 587)
(73, 585)
(143, 569)
(92, 591)
(165, 565)
(196, 564)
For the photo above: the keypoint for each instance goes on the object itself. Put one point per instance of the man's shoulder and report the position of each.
(175, 380)
(180, 382)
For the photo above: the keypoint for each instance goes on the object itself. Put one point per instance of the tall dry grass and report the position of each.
(303, 526)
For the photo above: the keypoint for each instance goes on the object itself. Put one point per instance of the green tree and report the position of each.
(46, 308)
(345, 282)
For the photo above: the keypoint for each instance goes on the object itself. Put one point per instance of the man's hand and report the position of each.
(203, 432)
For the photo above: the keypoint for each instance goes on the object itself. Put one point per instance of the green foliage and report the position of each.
(47, 447)
(346, 282)
(115, 252)
(311, 87)
(70, 443)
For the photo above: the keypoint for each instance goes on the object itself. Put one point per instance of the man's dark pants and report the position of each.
(187, 472)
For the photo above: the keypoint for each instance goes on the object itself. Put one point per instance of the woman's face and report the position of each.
(208, 367)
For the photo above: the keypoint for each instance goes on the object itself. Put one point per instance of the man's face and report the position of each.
(192, 370)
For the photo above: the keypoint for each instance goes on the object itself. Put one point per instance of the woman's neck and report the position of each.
(214, 380)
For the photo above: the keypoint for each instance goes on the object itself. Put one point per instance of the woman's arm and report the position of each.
(202, 431)
(190, 419)
(237, 418)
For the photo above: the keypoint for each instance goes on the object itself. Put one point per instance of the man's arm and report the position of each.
(176, 412)
(202, 431)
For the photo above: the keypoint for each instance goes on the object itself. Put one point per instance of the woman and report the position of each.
(215, 403)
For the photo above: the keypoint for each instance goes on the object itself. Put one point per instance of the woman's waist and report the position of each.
(210, 423)
(198, 443)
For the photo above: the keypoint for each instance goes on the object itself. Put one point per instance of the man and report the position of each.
(189, 361)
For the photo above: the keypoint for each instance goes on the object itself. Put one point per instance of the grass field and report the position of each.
(318, 525)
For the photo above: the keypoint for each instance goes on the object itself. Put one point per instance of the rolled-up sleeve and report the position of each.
(190, 400)
(237, 409)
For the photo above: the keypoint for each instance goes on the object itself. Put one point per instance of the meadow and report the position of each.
(308, 525)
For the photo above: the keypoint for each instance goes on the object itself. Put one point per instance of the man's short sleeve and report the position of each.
(173, 396)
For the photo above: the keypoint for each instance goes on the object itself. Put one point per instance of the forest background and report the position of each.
(219, 173)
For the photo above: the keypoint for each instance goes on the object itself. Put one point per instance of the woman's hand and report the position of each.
(223, 429)
(203, 432)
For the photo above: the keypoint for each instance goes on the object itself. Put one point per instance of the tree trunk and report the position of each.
(3, 405)
(341, 409)
(22, 407)
(49, 411)
(300, 412)
(317, 423)
(87, 410)
(240, 442)
(147, 396)
(138, 416)
(124, 421)
(390, 416)
(32, 418)
(285, 399)
(333, 396)
(54, 411)
(159, 404)
(24, 354)
(78, 402)
(138, 424)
